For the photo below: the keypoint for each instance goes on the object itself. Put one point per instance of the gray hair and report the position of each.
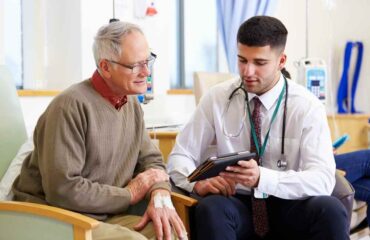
(107, 42)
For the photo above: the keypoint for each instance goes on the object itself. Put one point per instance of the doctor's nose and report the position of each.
(248, 69)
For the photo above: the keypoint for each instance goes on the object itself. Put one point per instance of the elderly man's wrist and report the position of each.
(161, 191)
(161, 185)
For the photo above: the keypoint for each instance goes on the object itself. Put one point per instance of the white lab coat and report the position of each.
(308, 147)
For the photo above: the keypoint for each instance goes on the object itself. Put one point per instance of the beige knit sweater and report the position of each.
(85, 154)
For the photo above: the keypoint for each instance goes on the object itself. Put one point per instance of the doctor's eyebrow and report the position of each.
(241, 57)
(256, 60)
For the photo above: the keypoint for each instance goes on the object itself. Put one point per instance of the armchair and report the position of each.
(184, 205)
(204, 80)
(20, 220)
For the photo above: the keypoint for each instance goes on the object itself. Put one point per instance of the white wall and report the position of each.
(63, 43)
(331, 23)
(159, 30)
(63, 30)
(53, 35)
(32, 108)
(34, 57)
(2, 51)
(58, 37)
(52, 46)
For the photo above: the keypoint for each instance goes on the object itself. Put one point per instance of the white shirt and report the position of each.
(310, 167)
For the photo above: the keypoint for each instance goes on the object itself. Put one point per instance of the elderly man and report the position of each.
(92, 152)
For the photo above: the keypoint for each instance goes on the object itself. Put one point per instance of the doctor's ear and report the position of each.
(282, 61)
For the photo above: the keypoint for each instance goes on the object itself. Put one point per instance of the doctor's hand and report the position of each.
(142, 183)
(215, 185)
(246, 173)
(163, 215)
(334, 151)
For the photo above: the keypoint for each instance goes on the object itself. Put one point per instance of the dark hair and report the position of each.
(285, 73)
(261, 31)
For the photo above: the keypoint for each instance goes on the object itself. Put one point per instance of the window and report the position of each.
(13, 39)
(197, 41)
(43, 51)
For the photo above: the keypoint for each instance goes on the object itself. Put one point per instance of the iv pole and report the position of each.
(307, 28)
(114, 19)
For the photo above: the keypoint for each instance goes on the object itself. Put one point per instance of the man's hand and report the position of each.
(215, 185)
(161, 211)
(142, 183)
(334, 151)
(247, 173)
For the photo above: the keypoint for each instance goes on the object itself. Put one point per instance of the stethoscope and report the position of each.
(281, 163)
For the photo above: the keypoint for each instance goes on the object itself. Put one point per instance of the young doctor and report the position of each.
(285, 192)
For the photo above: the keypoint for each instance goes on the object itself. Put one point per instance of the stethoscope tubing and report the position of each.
(282, 162)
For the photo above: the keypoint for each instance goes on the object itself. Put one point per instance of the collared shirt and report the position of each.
(310, 167)
(102, 88)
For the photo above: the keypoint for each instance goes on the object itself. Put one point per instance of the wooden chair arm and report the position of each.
(185, 200)
(341, 172)
(182, 205)
(60, 214)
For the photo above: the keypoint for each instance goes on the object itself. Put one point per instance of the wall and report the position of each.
(159, 30)
(2, 52)
(346, 21)
(52, 35)
(65, 29)
(52, 46)
(331, 23)
(58, 37)
(32, 108)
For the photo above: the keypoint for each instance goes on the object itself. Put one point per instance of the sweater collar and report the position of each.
(102, 88)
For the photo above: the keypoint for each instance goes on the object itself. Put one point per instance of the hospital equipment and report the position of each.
(312, 74)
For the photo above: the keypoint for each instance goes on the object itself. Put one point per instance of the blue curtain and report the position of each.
(230, 15)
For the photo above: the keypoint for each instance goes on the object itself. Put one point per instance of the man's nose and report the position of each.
(248, 69)
(145, 70)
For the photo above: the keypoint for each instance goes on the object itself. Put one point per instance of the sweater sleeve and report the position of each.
(61, 155)
(150, 157)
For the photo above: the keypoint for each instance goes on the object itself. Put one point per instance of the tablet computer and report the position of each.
(214, 165)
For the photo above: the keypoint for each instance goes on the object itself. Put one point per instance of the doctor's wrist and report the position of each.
(197, 189)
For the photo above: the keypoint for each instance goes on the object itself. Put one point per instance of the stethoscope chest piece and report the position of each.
(282, 163)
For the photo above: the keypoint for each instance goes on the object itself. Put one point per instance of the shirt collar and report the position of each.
(270, 97)
(103, 89)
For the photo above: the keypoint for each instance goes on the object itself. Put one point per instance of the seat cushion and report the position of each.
(358, 204)
(14, 169)
(358, 215)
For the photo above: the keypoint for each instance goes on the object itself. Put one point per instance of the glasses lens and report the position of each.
(140, 67)
(150, 63)
(136, 69)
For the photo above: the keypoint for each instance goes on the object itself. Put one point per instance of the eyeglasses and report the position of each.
(138, 67)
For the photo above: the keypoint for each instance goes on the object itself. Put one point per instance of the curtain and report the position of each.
(230, 15)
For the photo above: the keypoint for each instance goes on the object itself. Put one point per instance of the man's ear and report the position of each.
(105, 68)
(282, 61)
